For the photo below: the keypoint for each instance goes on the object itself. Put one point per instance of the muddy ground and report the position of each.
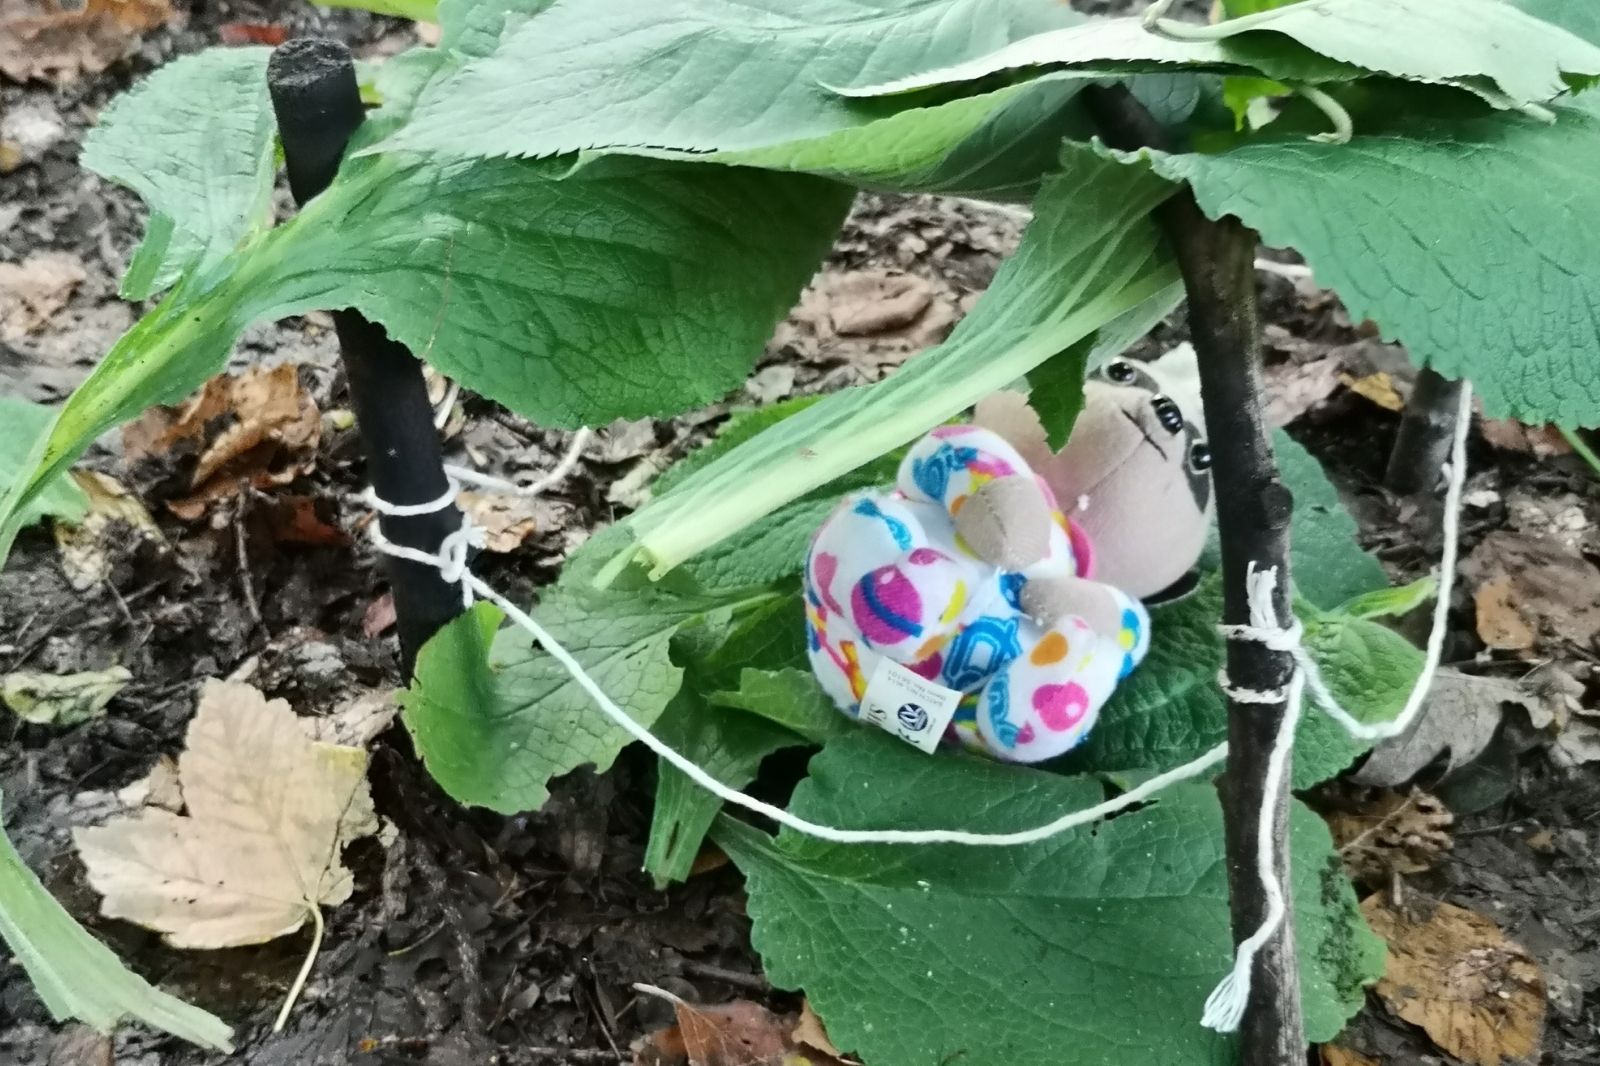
(475, 938)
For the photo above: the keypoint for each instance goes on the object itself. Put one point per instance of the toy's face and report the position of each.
(1134, 475)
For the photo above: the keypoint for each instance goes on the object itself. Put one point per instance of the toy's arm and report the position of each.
(999, 508)
(1048, 600)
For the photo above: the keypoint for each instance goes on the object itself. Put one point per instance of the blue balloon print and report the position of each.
(897, 528)
(932, 474)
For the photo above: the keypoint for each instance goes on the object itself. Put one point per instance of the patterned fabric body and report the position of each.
(887, 575)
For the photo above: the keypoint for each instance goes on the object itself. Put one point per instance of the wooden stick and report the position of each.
(314, 93)
(1253, 510)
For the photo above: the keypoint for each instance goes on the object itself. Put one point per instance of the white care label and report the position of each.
(910, 706)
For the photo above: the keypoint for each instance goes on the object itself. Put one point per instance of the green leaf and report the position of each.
(713, 75)
(196, 140)
(22, 426)
(1091, 261)
(727, 744)
(1391, 602)
(1170, 709)
(1055, 392)
(76, 975)
(791, 697)
(636, 287)
(495, 718)
(1329, 566)
(415, 10)
(1464, 240)
(1097, 946)
(1581, 17)
(1240, 8)
(1485, 46)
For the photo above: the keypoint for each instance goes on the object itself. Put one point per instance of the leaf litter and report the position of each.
(257, 854)
(257, 429)
(62, 699)
(1478, 995)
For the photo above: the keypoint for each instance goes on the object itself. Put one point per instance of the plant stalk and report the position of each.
(314, 93)
(1253, 511)
(1427, 429)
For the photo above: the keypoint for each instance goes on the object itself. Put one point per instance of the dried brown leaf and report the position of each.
(740, 1033)
(260, 428)
(1392, 834)
(507, 520)
(1533, 587)
(1539, 441)
(114, 522)
(1334, 1055)
(36, 288)
(1477, 995)
(1295, 388)
(1377, 388)
(268, 812)
(47, 39)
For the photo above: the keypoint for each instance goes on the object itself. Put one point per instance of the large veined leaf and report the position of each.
(633, 287)
(1170, 710)
(1328, 565)
(1498, 288)
(495, 718)
(1091, 269)
(76, 975)
(699, 75)
(1485, 45)
(1097, 946)
(729, 745)
(1579, 16)
(196, 140)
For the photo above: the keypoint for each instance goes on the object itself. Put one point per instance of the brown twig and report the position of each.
(1217, 260)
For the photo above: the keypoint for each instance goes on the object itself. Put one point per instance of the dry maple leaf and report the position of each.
(1475, 993)
(258, 852)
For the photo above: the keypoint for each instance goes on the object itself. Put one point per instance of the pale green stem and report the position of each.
(1343, 128)
(299, 985)
(1581, 447)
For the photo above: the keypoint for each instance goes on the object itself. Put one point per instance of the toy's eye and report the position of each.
(1167, 414)
(1120, 372)
(1199, 456)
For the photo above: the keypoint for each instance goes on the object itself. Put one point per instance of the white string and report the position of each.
(1225, 1006)
(441, 414)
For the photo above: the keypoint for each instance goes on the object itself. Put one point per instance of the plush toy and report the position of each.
(1011, 574)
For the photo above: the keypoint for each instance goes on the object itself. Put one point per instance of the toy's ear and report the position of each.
(1178, 375)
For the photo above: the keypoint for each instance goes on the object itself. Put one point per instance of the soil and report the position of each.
(475, 938)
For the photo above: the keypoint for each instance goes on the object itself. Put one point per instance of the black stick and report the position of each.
(1427, 431)
(1217, 260)
(314, 93)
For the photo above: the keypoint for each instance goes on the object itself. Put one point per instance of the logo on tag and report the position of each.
(908, 705)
